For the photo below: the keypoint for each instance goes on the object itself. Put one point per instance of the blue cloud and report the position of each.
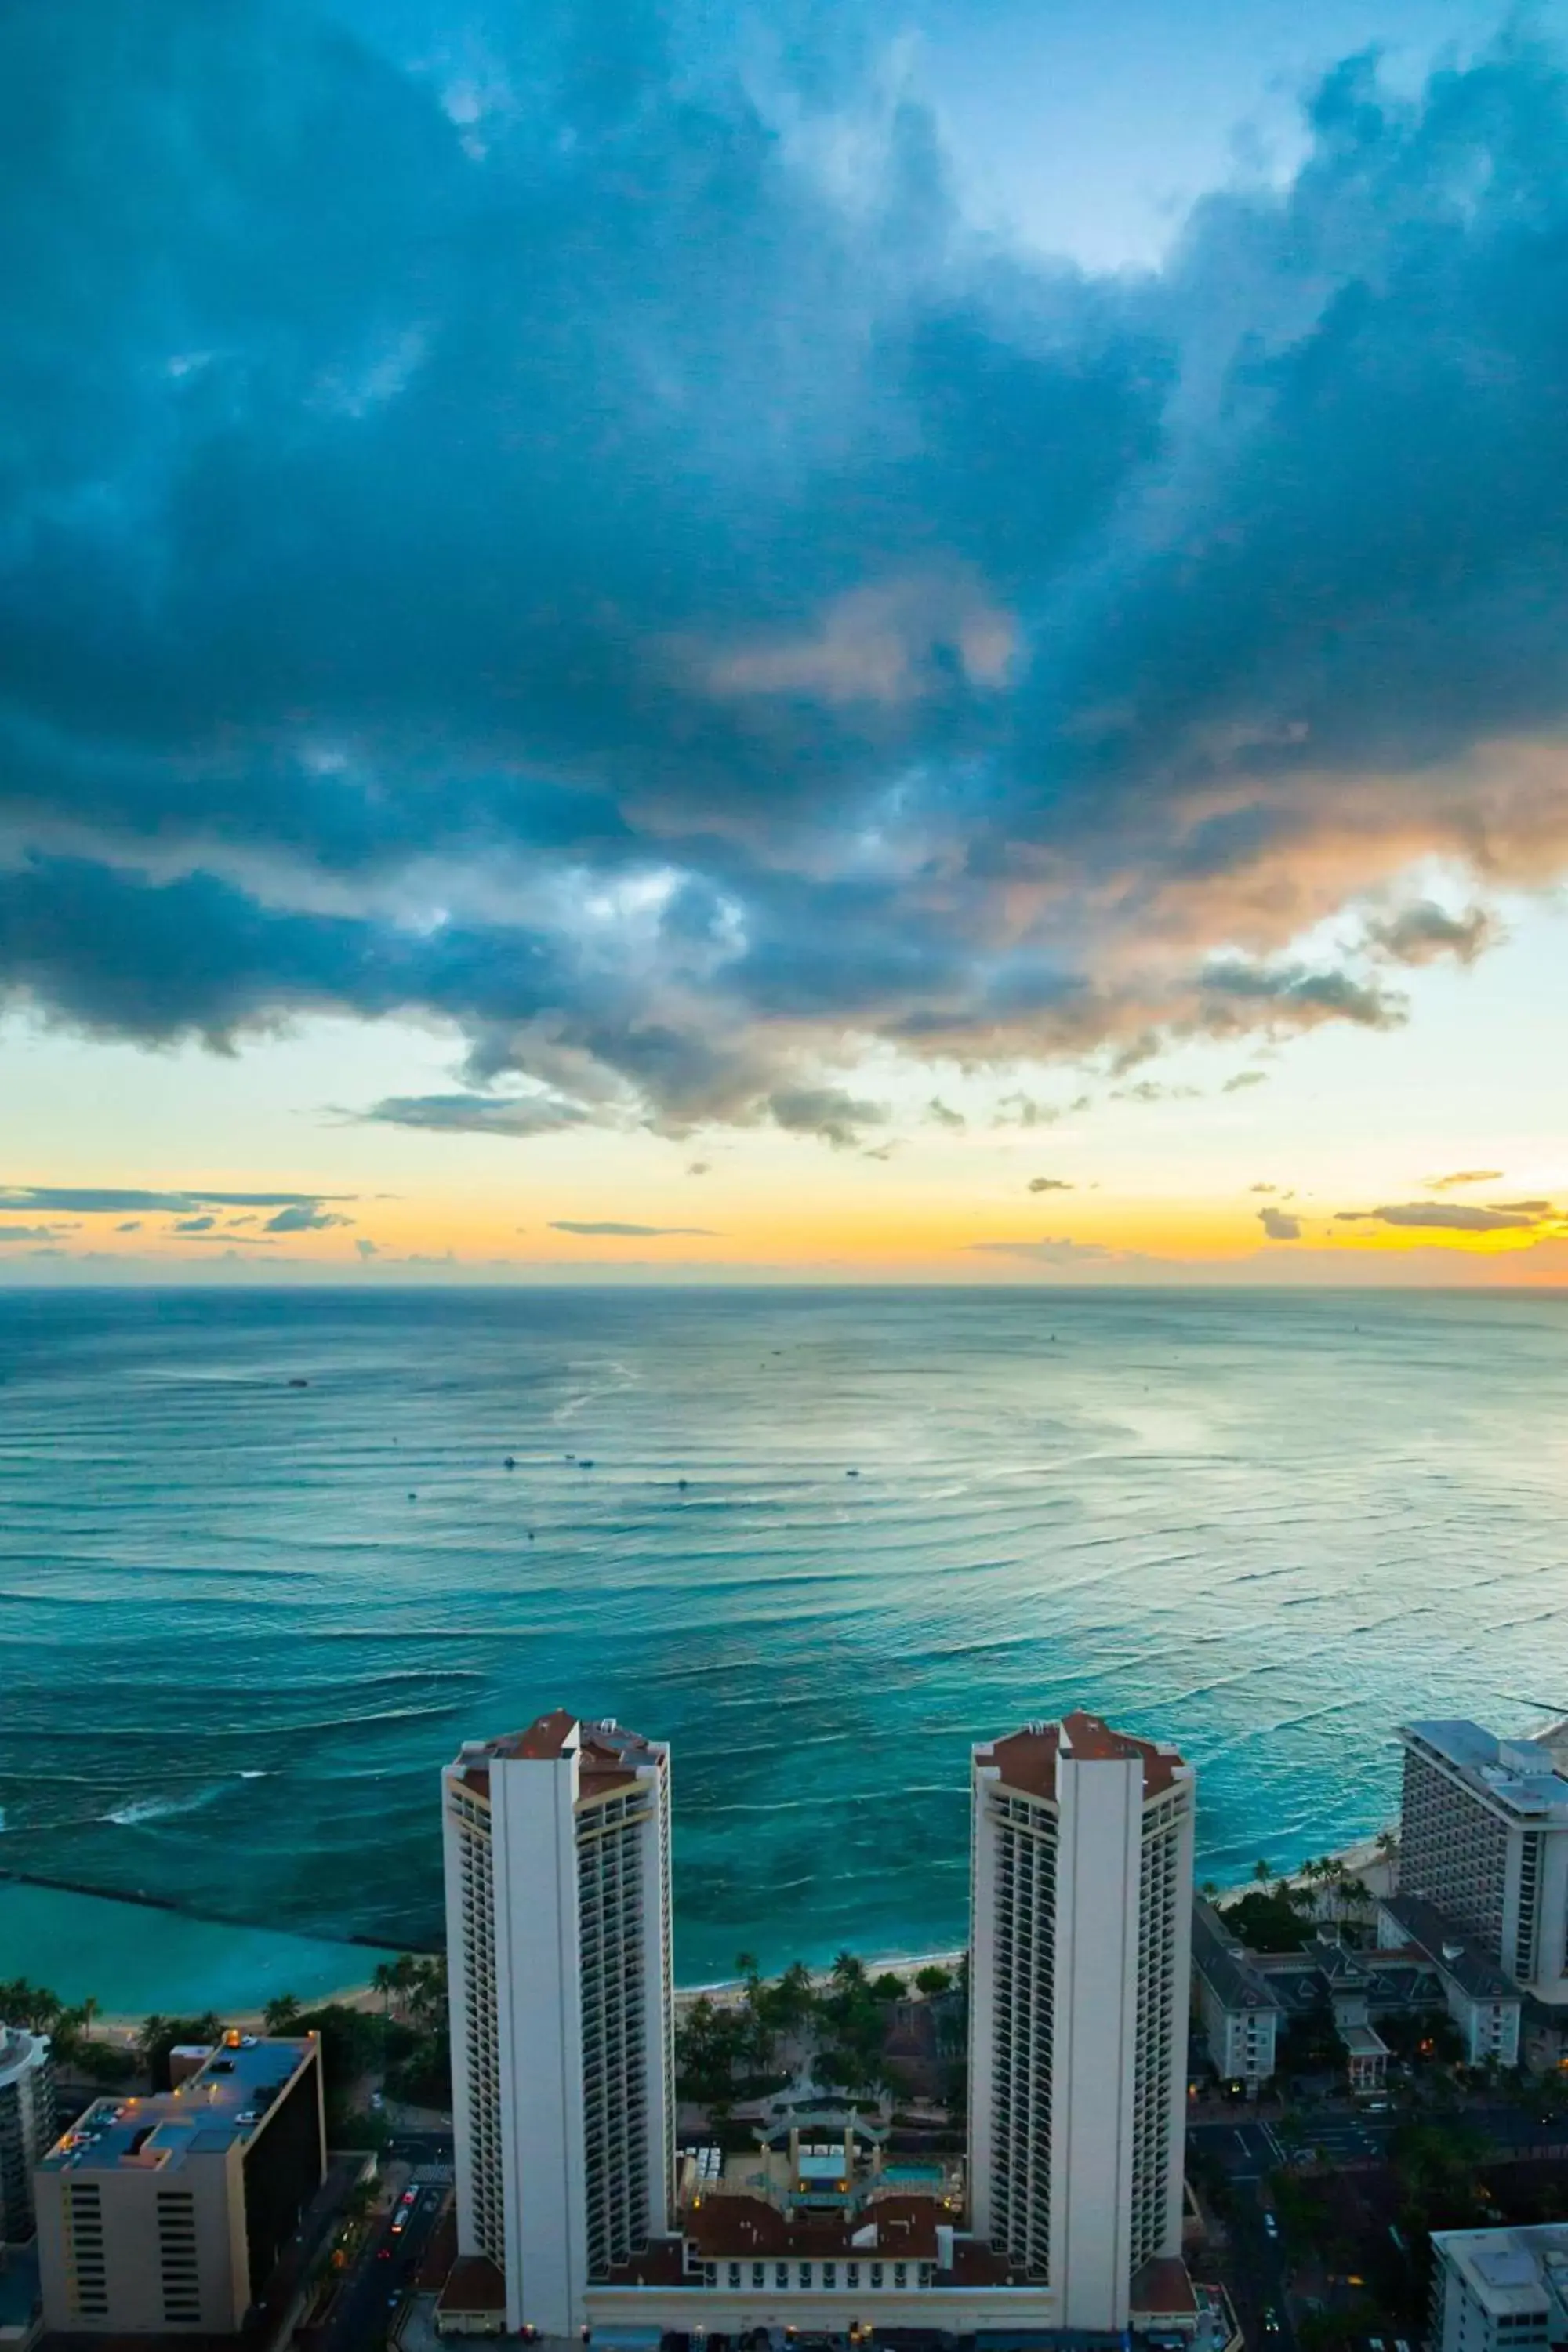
(788, 619)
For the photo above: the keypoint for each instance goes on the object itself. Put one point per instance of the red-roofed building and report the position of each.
(1080, 1957)
(557, 1854)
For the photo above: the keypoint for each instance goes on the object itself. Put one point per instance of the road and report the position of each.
(420, 2146)
(1249, 2148)
(380, 2278)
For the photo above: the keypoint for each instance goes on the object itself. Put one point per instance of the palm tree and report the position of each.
(1263, 1872)
(280, 2013)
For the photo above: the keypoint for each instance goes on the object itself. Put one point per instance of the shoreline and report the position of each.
(1361, 1856)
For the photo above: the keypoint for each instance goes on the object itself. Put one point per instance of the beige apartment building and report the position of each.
(166, 2215)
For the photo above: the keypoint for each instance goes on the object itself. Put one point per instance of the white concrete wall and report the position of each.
(1181, 1978)
(982, 2002)
(541, 2038)
(1551, 1975)
(958, 2310)
(457, 2009)
(1098, 1884)
(660, 1999)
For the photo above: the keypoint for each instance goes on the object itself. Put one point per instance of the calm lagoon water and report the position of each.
(242, 1623)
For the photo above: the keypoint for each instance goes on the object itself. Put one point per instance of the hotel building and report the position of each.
(1080, 1931)
(166, 2215)
(572, 2212)
(1484, 1839)
(26, 2125)
(557, 1861)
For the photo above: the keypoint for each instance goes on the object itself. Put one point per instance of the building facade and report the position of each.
(1485, 2005)
(1499, 2290)
(27, 2126)
(558, 1931)
(1239, 2008)
(166, 2215)
(1081, 1892)
(1484, 1838)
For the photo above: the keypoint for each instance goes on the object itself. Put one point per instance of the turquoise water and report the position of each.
(233, 1652)
(134, 1960)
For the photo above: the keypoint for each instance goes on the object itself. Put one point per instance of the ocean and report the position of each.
(821, 1540)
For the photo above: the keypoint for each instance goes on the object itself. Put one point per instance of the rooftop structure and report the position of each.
(226, 2102)
(166, 2215)
(1499, 2290)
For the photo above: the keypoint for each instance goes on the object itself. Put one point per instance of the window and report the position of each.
(830, 2274)
(759, 2275)
(734, 2275)
(900, 2274)
(781, 2274)
(876, 2273)
(804, 2274)
(851, 2274)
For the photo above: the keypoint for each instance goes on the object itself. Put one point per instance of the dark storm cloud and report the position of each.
(1425, 933)
(194, 1225)
(99, 1200)
(476, 1113)
(1443, 1216)
(88, 1199)
(827, 1111)
(1279, 1226)
(304, 1218)
(531, 548)
(1052, 1250)
(634, 1233)
(1049, 1184)
(26, 1232)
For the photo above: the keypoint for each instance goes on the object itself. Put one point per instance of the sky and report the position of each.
(821, 642)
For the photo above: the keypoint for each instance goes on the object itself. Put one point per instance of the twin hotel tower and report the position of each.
(574, 2212)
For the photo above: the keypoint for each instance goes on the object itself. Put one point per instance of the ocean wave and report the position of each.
(157, 1808)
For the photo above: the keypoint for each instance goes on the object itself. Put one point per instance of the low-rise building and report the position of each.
(166, 2215)
(1485, 2005)
(1239, 2008)
(26, 2125)
(1499, 2290)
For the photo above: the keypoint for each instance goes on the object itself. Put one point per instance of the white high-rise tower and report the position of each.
(557, 1853)
(1080, 1946)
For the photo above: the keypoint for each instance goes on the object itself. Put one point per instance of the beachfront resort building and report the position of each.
(1483, 1838)
(26, 2125)
(166, 2215)
(573, 2211)
(1080, 1928)
(557, 1861)
(1499, 2290)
